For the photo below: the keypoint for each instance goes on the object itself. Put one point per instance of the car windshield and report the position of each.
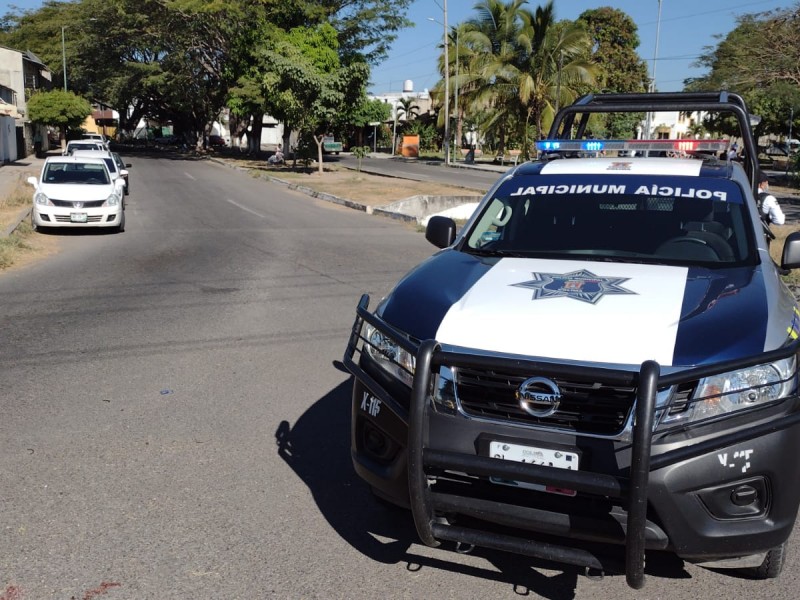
(668, 219)
(72, 173)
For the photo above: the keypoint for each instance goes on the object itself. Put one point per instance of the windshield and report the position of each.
(685, 220)
(72, 173)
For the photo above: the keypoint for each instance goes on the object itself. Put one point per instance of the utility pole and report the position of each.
(446, 91)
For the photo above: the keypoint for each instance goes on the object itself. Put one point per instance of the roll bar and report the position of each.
(571, 121)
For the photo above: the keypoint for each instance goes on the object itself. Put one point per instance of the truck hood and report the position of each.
(586, 311)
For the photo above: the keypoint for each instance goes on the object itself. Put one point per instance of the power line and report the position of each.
(711, 12)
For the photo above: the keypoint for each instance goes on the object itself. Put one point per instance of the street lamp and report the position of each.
(652, 87)
(446, 144)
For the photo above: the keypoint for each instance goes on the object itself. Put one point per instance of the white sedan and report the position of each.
(77, 192)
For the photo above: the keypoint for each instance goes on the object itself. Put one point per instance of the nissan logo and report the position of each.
(539, 396)
(77, 205)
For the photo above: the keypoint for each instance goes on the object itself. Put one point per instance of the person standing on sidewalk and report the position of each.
(771, 211)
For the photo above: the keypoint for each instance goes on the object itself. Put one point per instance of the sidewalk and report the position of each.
(19, 170)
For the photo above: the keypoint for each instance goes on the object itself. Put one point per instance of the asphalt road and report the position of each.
(480, 179)
(175, 420)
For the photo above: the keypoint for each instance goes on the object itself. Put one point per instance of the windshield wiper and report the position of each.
(491, 252)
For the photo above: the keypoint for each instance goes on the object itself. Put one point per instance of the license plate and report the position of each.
(536, 456)
(78, 217)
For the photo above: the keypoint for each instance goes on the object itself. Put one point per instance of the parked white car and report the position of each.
(75, 145)
(75, 191)
(114, 169)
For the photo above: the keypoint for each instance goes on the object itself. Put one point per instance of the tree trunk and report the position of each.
(238, 127)
(318, 140)
(254, 138)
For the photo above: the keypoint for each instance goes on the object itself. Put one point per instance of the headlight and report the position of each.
(389, 355)
(727, 393)
(41, 198)
(113, 200)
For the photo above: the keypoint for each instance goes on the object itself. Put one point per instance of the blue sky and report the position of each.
(687, 26)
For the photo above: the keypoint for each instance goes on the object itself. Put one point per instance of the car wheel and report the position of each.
(121, 227)
(772, 565)
(34, 226)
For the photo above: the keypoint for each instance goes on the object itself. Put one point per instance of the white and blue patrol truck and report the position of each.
(600, 363)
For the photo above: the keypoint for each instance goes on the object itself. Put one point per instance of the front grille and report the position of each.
(70, 203)
(590, 407)
(89, 219)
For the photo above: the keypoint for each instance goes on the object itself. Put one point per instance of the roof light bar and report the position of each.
(639, 145)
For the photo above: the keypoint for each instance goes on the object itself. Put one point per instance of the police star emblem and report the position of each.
(581, 285)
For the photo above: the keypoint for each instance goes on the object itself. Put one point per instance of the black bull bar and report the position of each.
(425, 502)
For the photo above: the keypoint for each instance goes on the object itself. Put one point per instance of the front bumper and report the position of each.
(54, 216)
(709, 493)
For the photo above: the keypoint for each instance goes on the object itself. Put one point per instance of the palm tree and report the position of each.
(407, 108)
(519, 65)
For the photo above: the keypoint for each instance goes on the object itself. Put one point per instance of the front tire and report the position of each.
(121, 227)
(36, 228)
(772, 565)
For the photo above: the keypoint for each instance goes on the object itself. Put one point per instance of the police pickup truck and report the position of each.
(602, 362)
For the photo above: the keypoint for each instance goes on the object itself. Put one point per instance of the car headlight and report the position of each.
(728, 393)
(389, 355)
(113, 200)
(41, 198)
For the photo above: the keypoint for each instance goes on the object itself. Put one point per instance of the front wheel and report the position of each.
(772, 565)
(34, 226)
(121, 227)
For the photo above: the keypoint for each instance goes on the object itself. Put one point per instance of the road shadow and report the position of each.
(317, 448)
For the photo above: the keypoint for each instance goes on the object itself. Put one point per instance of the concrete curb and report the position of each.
(367, 208)
(16, 222)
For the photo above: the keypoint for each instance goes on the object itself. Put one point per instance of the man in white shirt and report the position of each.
(770, 209)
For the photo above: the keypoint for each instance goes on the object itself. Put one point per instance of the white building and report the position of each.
(21, 74)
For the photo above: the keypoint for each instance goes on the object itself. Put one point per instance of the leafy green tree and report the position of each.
(366, 112)
(760, 60)
(58, 108)
(525, 64)
(309, 85)
(181, 61)
(621, 70)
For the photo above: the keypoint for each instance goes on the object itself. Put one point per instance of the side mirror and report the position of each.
(441, 231)
(123, 172)
(32, 181)
(119, 182)
(791, 251)
(127, 165)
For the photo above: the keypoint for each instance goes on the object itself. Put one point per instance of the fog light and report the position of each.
(744, 499)
(744, 495)
(376, 442)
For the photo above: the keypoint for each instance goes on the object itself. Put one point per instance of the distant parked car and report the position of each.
(96, 137)
(216, 140)
(76, 192)
(114, 170)
(74, 145)
(123, 170)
